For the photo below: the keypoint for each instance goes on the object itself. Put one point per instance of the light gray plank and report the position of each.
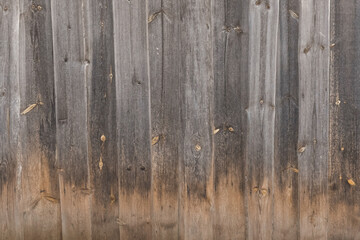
(263, 37)
(313, 144)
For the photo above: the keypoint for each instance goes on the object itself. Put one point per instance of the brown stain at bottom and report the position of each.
(135, 215)
(75, 210)
(135, 232)
(7, 209)
(348, 217)
(38, 198)
(230, 211)
(165, 215)
(136, 222)
(197, 206)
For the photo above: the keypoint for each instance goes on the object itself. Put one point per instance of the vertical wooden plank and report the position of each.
(231, 36)
(286, 173)
(313, 117)
(197, 78)
(263, 37)
(133, 117)
(164, 52)
(9, 117)
(73, 62)
(102, 124)
(344, 211)
(39, 199)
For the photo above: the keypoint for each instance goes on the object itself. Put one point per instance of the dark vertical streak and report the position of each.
(344, 212)
(38, 127)
(102, 124)
(230, 61)
(286, 207)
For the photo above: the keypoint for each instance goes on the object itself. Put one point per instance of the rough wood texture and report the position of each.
(196, 75)
(9, 119)
(164, 51)
(133, 114)
(231, 36)
(344, 211)
(102, 124)
(313, 144)
(73, 62)
(286, 172)
(161, 119)
(39, 195)
(263, 37)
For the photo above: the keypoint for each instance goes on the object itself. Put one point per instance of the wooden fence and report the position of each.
(179, 119)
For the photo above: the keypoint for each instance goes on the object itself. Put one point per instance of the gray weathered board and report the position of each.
(179, 119)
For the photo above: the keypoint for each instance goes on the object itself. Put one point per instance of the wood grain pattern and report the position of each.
(263, 37)
(344, 102)
(73, 62)
(231, 41)
(9, 119)
(197, 116)
(313, 144)
(286, 172)
(164, 60)
(102, 124)
(133, 118)
(39, 196)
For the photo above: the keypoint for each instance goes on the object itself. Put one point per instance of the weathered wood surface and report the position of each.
(344, 103)
(73, 63)
(131, 119)
(39, 194)
(10, 223)
(313, 141)
(166, 141)
(263, 38)
(196, 77)
(231, 36)
(286, 172)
